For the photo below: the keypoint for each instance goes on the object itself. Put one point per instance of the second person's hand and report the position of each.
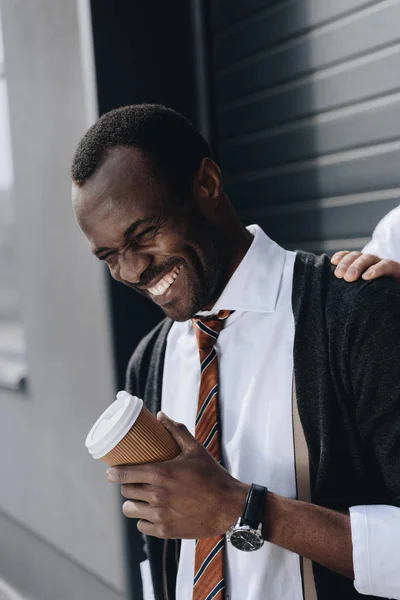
(350, 266)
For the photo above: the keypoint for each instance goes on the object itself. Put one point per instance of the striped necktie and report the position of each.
(209, 582)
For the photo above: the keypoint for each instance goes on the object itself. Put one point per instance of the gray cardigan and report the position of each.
(346, 361)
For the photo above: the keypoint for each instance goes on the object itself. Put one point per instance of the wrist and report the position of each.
(235, 504)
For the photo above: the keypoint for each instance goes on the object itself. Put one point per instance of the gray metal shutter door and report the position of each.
(306, 103)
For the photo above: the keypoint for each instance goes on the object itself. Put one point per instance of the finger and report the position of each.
(345, 263)
(132, 473)
(137, 510)
(359, 266)
(137, 491)
(179, 432)
(337, 257)
(148, 528)
(388, 268)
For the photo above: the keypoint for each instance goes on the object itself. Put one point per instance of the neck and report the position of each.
(239, 241)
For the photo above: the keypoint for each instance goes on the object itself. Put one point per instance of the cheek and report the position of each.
(166, 246)
(172, 244)
(114, 270)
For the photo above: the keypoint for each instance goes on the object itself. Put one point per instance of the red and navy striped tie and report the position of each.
(209, 582)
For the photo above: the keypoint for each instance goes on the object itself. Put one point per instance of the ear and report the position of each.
(209, 184)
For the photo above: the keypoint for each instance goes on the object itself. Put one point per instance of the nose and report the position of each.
(131, 266)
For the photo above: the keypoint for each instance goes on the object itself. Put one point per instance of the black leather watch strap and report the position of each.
(254, 509)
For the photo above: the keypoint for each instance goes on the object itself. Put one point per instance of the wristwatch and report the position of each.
(247, 534)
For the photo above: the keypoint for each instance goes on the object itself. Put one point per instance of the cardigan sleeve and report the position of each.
(374, 359)
(135, 379)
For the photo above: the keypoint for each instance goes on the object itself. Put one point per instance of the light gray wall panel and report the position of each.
(49, 482)
(41, 572)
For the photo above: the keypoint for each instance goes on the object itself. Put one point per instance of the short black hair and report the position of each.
(170, 141)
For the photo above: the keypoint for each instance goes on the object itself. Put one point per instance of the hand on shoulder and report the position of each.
(350, 266)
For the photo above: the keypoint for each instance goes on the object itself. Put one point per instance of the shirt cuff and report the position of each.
(375, 533)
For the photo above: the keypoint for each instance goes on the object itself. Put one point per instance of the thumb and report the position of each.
(179, 432)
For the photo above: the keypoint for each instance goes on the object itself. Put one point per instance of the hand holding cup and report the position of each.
(128, 434)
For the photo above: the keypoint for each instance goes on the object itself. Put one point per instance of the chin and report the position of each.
(178, 314)
(181, 311)
(186, 306)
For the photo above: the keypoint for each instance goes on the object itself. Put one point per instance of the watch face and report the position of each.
(246, 540)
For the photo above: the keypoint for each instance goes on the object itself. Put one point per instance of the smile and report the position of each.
(165, 283)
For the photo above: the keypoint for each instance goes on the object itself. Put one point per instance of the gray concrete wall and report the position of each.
(49, 484)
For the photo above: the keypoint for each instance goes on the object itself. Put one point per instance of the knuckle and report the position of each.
(156, 497)
(158, 514)
(382, 267)
(164, 473)
(181, 427)
(121, 475)
(125, 490)
(350, 258)
(156, 475)
(359, 263)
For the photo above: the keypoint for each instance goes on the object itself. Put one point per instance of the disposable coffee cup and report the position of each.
(127, 433)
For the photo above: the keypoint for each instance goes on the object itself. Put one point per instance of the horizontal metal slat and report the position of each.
(361, 79)
(281, 22)
(350, 221)
(328, 246)
(348, 173)
(368, 123)
(363, 32)
(238, 14)
(226, 12)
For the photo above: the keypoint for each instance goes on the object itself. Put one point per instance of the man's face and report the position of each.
(161, 246)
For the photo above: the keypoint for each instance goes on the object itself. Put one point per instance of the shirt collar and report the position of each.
(254, 286)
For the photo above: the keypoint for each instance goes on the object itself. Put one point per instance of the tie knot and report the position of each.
(207, 329)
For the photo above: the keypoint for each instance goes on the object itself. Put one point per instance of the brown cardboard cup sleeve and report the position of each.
(127, 433)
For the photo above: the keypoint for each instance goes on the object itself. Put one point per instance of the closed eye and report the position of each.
(144, 233)
(106, 256)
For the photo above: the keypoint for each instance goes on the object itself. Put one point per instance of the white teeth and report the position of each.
(165, 282)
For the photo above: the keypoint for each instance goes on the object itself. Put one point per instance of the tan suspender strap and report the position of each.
(302, 462)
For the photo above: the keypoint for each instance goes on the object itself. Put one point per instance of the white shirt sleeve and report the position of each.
(385, 241)
(375, 532)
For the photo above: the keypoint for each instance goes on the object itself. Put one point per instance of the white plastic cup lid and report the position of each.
(113, 424)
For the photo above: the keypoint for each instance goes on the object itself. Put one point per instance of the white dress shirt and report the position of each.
(386, 237)
(255, 353)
